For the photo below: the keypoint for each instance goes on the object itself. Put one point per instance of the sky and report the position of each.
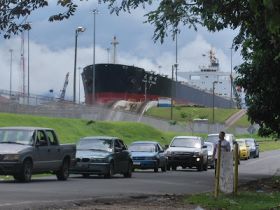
(52, 48)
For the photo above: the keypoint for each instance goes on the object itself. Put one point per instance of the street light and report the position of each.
(77, 31)
(231, 77)
(11, 70)
(28, 64)
(215, 82)
(95, 11)
(79, 84)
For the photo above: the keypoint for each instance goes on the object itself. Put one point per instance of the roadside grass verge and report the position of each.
(243, 201)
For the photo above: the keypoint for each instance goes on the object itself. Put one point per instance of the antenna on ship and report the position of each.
(114, 43)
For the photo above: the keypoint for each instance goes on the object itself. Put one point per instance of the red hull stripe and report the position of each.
(111, 96)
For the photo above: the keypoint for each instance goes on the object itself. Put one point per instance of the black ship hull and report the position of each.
(121, 82)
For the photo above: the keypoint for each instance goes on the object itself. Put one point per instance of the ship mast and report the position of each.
(114, 43)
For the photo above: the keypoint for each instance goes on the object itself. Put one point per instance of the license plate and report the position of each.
(137, 163)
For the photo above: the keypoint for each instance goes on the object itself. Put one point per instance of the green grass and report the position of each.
(243, 201)
(71, 130)
(187, 114)
(267, 145)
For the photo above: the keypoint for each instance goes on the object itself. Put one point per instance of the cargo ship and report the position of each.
(114, 82)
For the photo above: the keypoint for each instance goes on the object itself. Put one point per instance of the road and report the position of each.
(43, 191)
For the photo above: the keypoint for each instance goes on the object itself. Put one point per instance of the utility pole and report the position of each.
(11, 71)
(171, 108)
(213, 112)
(95, 11)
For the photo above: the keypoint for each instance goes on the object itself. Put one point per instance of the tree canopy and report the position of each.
(258, 22)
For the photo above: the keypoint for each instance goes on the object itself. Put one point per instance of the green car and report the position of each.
(102, 155)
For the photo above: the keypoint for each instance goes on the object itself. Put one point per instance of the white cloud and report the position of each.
(52, 48)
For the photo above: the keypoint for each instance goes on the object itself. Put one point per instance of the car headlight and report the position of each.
(11, 157)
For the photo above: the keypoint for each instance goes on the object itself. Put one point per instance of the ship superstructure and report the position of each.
(210, 76)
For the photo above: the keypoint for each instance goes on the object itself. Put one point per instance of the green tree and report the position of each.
(258, 22)
(13, 14)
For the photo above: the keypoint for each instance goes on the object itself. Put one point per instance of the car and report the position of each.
(187, 151)
(244, 150)
(210, 149)
(102, 155)
(254, 147)
(148, 155)
(25, 151)
(214, 138)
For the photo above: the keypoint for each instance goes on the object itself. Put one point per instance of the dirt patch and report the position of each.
(139, 202)
(267, 185)
(151, 202)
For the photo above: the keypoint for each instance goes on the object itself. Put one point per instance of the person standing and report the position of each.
(225, 147)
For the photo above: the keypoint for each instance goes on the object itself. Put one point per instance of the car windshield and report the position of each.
(142, 147)
(95, 144)
(13, 136)
(209, 147)
(241, 143)
(186, 142)
(250, 142)
(213, 138)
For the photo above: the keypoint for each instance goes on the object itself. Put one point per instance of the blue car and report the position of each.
(148, 155)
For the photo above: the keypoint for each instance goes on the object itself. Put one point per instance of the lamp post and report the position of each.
(171, 108)
(95, 11)
(215, 82)
(28, 62)
(176, 64)
(79, 84)
(77, 31)
(11, 70)
(231, 77)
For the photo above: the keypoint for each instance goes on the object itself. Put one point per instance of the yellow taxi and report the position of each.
(244, 149)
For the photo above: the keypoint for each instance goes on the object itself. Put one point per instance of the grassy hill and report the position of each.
(71, 130)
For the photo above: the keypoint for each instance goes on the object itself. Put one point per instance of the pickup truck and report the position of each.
(187, 151)
(31, 150)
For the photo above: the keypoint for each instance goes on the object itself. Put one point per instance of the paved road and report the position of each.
(44, 191)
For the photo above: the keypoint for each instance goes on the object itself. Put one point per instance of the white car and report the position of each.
(187, 151)
(214, 138)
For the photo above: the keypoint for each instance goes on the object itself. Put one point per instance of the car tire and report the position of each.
(86, 175)
(200, 166)
(168, 167)
(205, 165)
(128, 174)
(164, 167)
(110, 172)
(63, 173)
(156, 169)
(25, 173)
